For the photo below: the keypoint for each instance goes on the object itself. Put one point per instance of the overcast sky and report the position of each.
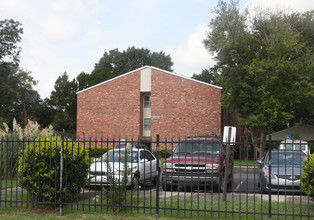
(72, 35)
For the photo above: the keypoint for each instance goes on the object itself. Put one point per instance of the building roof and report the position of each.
(305, 132)
(151, 67)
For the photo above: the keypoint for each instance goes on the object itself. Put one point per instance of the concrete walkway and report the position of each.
(200, 195)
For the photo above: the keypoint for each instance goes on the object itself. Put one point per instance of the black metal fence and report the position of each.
(185, 178)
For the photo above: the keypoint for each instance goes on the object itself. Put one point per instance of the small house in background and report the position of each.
(300, 132)
(146, 102)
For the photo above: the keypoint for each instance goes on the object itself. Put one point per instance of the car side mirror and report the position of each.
(259, 161)
(168, 153)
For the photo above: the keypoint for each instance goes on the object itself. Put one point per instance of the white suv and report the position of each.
(141, 166)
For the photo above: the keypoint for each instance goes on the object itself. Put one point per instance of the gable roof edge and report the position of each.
(109, 80)
(143, 67)
(185, 77)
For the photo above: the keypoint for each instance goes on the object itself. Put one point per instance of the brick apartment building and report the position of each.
(146, 102)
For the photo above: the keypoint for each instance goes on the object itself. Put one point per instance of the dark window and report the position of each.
(147, 101)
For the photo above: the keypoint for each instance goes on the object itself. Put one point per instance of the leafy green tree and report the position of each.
(208, 75)
(115, 63)
(10, 36)
(265, 69)
(18, 98)
(44, 113)
(82, 80)
(282, 82)
(63, 102)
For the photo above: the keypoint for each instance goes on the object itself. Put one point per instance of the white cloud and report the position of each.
(192, 57)
(58, 29)
(96, 35)
(144, 6)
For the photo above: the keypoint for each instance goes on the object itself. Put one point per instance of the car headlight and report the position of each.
(168, 167)
(212, 168)
(266, 174)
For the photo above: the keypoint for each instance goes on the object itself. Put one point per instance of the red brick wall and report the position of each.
(110, 109)
(188, 108)
(114, 108)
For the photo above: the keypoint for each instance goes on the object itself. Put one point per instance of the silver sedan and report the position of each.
(283, 171)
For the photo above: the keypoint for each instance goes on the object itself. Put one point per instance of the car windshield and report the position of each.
(120, 156)
(198, 148)
(286, 158)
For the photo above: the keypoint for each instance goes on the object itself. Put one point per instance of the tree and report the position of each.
(264, 69)
(208, 75)
(18, 98)
(82, 80)
(115, 63)
(10, 35)
(63, 102)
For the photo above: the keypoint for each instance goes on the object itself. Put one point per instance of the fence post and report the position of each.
(157, 185)
(269, 180)
(61, 175)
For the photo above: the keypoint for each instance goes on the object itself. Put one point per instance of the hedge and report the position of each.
(39, 169)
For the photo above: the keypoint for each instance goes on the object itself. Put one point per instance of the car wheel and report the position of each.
(230, 183)
(219, 188)
(262, 188)
(155, 180)
(167, 187)
(135, 182)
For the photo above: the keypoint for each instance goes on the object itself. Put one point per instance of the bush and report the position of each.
(307, 178)
(162, 152)
(39, 169)
(116, 193)
(98, 151)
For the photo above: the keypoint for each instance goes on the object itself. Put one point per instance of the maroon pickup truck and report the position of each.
(197, 162)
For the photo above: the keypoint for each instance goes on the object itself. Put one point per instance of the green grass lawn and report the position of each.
(244, 163)
(170, 208)
(6, 184)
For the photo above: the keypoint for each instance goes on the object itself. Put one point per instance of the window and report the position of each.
(147, 101)
(146, 155)
(146, 124)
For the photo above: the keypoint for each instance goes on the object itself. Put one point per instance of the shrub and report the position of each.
(39, 169)
(162, 152)
(12, 143)
(116, 193)
(307, 178)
